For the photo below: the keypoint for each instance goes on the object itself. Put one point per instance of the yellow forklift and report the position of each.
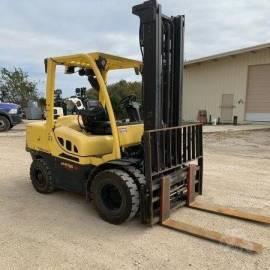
(147, 164)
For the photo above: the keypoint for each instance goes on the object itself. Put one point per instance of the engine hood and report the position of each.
(8, 106)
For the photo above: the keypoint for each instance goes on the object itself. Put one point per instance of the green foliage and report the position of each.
(92, 94)
(117, 91)
(123, 88)
(16, 86)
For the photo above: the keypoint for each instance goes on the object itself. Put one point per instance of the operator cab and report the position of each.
(102, 130)
(96, 120)
(95, 117)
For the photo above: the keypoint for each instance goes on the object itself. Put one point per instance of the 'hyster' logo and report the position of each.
(69, 166)
(123, 130)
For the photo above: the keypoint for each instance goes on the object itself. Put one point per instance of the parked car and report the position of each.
(10, 115)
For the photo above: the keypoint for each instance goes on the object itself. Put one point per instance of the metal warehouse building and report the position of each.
(235, 83)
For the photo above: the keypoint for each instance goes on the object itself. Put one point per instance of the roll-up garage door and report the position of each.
(258, 93)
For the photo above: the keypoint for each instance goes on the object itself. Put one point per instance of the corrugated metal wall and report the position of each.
(206, 82)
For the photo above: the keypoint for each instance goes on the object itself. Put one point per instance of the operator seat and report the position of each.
(95, 119)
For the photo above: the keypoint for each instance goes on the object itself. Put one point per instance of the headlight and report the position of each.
(13, 111)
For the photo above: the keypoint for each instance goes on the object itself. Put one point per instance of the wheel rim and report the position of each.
(40, 179)
(111, 197)
(2, 124)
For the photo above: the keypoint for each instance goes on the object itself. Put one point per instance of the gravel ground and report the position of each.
(63, 231)
(232, 128)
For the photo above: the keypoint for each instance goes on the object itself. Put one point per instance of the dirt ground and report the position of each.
(63, 231)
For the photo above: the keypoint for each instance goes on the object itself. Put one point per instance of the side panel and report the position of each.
(80, 143)
(37, 137)
(68, 175)
(130, 134)
(71, 176)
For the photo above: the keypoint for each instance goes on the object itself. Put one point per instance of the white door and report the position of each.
(227, 108)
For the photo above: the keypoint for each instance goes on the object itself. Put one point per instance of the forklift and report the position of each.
(146, 165)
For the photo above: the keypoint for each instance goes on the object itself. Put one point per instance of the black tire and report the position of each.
(4, 124)
(115, 196)
(41, 176)
(138, 176)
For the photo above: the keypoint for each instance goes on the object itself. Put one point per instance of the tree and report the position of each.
(16, 86)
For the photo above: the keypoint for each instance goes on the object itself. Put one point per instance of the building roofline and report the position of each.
(229, 53)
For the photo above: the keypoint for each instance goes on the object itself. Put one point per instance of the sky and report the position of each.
(31, 30)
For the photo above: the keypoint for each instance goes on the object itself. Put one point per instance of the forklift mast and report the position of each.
(169, 146)
(162, 47)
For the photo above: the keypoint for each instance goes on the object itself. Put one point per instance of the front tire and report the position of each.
(4, 124)
(115, 196)
(41, 176)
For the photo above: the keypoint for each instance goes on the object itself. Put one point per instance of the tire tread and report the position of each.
(41, 163)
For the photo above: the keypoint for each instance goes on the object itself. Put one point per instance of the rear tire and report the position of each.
(115, 196)
(4, 124)
(41, 176)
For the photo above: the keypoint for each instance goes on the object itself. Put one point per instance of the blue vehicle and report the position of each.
(10, 115)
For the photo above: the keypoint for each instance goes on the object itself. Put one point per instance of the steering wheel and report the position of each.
(127, 100)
